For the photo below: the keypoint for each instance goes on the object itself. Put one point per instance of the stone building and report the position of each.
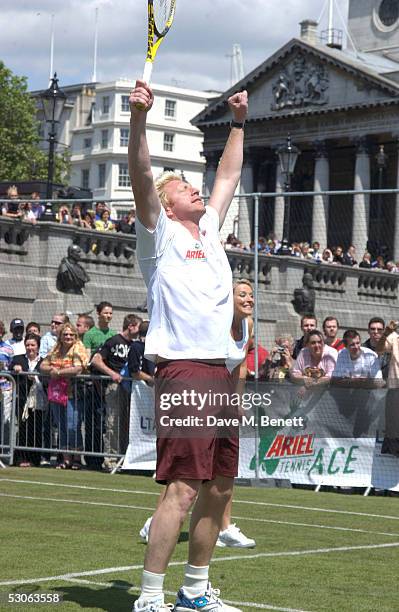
(339, 106)
(95, 125)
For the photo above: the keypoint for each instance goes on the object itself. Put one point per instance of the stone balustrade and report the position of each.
(30, 256)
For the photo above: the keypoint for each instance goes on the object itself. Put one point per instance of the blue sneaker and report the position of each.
(208, 602)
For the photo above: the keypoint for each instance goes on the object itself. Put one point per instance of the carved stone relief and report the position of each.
(301, 84)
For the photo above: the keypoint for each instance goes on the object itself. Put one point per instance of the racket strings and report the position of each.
(162, 12)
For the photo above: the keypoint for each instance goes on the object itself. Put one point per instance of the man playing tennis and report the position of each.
(191, 308)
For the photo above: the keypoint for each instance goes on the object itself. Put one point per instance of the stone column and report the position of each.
(279, 203)
(246, 205)
(321, 202)
(396, 230)
(361, 201)
(212, 160)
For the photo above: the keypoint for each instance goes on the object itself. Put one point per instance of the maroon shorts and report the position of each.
(189, 394)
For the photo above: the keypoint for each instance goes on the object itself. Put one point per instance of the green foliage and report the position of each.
(20, 156)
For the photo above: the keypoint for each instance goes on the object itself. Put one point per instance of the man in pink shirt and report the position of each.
(315, 363)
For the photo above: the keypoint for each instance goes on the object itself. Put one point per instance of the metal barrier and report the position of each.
(91, 423)
(7, 423)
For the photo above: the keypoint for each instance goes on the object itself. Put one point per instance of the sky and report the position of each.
(195, 54)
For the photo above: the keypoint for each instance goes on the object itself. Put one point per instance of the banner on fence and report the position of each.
(337, 443)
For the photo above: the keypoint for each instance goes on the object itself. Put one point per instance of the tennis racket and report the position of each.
(160, 18)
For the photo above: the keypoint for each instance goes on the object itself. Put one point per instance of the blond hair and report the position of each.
(162, 180)
(66, 325)
(13, 189)
(242, 281)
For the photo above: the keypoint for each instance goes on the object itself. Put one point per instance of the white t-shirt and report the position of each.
(237, 348)
(189, 281)
(367, 365)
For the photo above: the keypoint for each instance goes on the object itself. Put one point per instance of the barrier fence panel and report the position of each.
(89, 421)
(323, 435)
(7, 409)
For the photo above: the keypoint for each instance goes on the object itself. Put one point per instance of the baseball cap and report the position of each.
(16, 323)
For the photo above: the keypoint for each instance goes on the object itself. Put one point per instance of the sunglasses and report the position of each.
(56, 322)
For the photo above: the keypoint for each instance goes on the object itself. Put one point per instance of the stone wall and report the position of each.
(30, 256)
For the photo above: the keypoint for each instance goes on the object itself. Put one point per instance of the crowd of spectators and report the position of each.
(91, 412)
(102, 217)
(69, 387)
(335, 255)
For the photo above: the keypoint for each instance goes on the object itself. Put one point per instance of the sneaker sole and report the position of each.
(223, 545)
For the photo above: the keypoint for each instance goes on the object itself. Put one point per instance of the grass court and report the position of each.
(76, 533)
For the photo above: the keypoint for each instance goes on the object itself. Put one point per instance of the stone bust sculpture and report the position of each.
(305, 297)
(71, 276)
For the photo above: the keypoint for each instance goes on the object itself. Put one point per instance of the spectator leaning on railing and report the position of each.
(49, 339)
(30, 424)
(11, 209)
(67, 360)
(109, 361)
(6, 357)
(315, 363)
(357, 366)
(104, 224)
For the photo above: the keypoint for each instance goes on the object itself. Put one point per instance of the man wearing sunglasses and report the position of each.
(50, 338)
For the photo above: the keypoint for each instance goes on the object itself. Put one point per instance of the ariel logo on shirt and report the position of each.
(196, 254)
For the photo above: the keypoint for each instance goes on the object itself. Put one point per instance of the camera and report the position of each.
(278, 355)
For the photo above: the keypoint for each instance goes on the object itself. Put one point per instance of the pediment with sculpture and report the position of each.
(300, 84)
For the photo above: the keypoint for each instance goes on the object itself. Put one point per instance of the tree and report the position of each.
(21, 159)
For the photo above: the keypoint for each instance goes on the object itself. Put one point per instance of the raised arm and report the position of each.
(146, 199)
(229, 169)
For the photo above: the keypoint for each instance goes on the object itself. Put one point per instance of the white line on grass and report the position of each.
(129, 568)
(245, 604)
(313, 525)
(76, 501)
(236, 501)
(239, 518)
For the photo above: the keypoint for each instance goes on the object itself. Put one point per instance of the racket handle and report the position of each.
(146, 78)
(147, 72)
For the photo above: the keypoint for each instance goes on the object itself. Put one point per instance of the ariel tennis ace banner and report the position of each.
(330, 436)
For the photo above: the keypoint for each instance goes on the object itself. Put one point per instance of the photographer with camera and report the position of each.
(277, 366)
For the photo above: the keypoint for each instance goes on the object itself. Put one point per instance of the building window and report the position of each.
(125, 108)
(168, 142)
(105, 105)
(124, 137)
(170, 109)
(124, 178)
(104, 139)
(101, 176)
(87, 143)
(85, 178)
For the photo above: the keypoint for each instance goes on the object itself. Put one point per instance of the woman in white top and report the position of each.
(241, 332)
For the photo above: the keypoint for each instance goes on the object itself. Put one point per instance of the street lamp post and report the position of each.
(53, 100)
(288, 155)
(381, 159)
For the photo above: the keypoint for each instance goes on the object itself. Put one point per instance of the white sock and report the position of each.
(195, 580)
(151, 584)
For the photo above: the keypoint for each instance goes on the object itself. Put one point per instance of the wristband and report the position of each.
(237, 124)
